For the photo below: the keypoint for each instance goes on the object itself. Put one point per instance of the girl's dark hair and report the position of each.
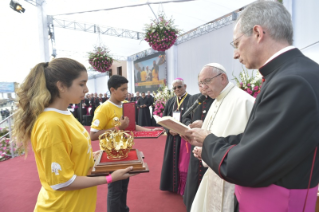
(64, 70)
(38, 90)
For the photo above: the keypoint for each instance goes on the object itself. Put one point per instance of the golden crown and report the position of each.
(116, 143)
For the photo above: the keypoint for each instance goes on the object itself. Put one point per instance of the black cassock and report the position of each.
(95, 102)
(282, 133)
(135, 99)
(104, 99)
(144, 116)
(151, 99)
(170, 173)
(196, 170)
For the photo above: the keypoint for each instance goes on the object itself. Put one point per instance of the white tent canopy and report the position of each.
(131, 15)
(23, 36)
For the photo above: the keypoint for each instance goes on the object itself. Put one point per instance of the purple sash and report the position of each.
(184, 156)
(275, 199)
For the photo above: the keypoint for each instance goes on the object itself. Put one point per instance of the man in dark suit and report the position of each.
(95, 102)
(274, 163)
(136, 98)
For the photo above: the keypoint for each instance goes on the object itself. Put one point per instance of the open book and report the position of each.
(172, 124)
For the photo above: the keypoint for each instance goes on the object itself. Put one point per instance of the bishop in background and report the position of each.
(175, 107)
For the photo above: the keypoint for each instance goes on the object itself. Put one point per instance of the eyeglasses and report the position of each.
(208, 80)
(235, 45)
(179, 87)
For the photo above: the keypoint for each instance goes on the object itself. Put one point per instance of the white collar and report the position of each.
(58, 111)
(180, 97)
(228, 85)
(119, 106)
(279, 53)
(225, 91)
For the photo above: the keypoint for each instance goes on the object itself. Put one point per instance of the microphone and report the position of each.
(198, 102)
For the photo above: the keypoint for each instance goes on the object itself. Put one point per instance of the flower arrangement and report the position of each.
(161, 96)
(5, 146)
(161, 34)
(100, 59)
(250, 84)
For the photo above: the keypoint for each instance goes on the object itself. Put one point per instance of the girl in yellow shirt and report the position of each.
(61, 145)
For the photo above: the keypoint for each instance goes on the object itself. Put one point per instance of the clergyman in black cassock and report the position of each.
(170, 171)
(136, 98)
(151, 99)
(196, 170)
(144, 116)
(274, 162)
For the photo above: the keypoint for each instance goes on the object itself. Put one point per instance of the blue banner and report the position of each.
(6, 87)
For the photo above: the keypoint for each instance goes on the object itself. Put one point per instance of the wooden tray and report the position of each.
(104, 166)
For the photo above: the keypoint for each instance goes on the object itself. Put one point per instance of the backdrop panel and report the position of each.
(213, 47)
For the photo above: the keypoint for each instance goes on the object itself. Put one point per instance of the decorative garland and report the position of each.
(161, 34)
(100, 59)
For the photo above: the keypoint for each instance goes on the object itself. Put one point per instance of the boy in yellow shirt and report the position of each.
(102, 121)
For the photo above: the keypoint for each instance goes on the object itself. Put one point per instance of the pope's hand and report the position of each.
(198, 152)
(196, 124)
(124, 123)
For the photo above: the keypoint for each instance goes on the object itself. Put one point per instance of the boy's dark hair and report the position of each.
(116, 81)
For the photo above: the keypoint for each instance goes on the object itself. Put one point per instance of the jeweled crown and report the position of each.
(116, 143)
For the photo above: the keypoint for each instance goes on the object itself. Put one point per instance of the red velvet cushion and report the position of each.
(131, 156)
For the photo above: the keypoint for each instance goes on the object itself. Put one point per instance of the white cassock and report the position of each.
(228, 115)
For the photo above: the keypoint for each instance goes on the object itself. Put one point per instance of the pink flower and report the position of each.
(4, 148)
(248, 85)
(249, 91)
(161, 114)
(256, 88)
(255, 94)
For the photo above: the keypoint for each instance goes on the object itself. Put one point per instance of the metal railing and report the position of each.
(8, 122)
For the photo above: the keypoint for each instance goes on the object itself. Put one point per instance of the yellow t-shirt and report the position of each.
(154, 75)
(104, 114)
(62, 149)
(143, 76)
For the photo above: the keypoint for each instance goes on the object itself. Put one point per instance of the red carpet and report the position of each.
(19, 183)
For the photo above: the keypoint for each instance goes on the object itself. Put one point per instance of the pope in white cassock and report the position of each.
(228, 115)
